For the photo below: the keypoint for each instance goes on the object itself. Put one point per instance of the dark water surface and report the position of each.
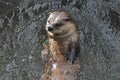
(22, 34)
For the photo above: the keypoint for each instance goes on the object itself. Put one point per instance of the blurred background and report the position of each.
(22, 33)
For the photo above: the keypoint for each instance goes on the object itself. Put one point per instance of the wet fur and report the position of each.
(66, 37)
(62, 48)
(57, 68)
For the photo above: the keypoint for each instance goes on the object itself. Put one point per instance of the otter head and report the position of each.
(59, 24)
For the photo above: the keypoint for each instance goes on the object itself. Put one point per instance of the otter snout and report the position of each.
(54, 26)
(50, 28)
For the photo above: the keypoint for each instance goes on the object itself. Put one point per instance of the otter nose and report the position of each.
(50, 28)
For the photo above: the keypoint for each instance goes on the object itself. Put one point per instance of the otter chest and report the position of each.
(61, 45)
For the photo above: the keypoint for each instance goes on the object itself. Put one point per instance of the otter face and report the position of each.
(58, 23)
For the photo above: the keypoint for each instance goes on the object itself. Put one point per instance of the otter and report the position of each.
(61, 51)
(62, 33)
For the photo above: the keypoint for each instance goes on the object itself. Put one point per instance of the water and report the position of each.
(22, 33)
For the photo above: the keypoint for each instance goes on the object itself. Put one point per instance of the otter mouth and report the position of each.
(61, 35)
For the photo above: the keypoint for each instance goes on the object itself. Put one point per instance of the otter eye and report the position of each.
(67, 19)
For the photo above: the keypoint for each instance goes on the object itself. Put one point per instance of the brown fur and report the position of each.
(64, 71)
(62, 47)
(58, 69)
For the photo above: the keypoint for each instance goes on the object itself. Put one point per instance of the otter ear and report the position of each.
(51, 12)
